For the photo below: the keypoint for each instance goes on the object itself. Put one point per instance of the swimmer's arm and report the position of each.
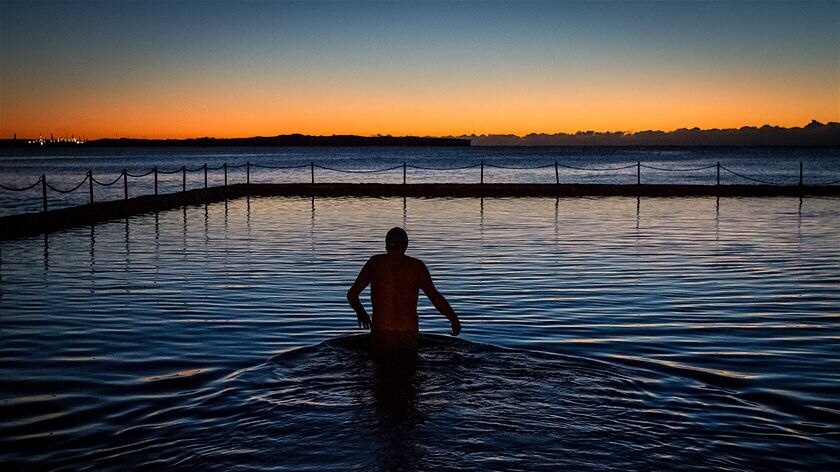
(361, 282)
(440, 303)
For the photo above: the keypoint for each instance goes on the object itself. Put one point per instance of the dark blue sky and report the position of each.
(420, 68)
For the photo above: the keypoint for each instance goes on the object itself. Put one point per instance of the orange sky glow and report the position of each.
(98, 70)
(427, 113)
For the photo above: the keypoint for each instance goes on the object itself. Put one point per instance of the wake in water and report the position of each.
(458, 405)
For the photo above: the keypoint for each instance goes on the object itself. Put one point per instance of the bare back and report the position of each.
(396, 280)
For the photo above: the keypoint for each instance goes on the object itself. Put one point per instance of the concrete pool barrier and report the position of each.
(29, 224)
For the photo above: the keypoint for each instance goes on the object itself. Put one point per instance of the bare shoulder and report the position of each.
(375, 260)
(417, 264)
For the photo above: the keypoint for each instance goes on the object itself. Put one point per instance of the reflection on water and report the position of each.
(632, 333)
(46, 253)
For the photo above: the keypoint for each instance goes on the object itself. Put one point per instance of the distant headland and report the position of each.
(812, 134)
(280, 140)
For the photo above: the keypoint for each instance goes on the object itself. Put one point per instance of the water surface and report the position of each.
(599, 333)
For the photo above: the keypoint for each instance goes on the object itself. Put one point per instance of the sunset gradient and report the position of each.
(189, 69)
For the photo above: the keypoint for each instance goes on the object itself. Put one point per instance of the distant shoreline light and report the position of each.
(41, 141)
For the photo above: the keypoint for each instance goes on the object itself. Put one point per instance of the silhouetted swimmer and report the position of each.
(395, 281)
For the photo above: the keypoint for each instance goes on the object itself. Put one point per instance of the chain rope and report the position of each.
(56, 189)
(109, 183)
(139, 175)
(689, 169)
(596, 169)
(260, 166)
(500, 166)
(361, 171)
(749, 178)
(11, 188)
(412, 166)
(20, 189)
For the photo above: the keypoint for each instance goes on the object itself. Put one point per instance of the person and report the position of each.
(395, 281)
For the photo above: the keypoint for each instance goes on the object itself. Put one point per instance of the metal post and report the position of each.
(90, 185)
(556, 173)
(247, 172)
(125, 184)
(183, 178)
(44, 190)
(482, 171)
(638, 173)
(404, 172)
(718, 173)
(225, 167)
(205, 176)
(156, 180)
(801, 179)
(312, 171)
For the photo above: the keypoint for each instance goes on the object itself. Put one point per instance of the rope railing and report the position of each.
(262, 166)
(412, 166)
(124, 174)
(687, 169)
(359, 171)
(97, 182)
(56, 189)
(500, 166)
(596, 169)
(20, 189)
(140, 175)
(749, 178)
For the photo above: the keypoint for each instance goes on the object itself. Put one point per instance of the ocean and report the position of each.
(608, 333)
(66, 168)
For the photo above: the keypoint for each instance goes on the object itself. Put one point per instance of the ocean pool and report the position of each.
(598, 333)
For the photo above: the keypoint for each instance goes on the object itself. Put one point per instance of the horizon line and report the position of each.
(812, 123)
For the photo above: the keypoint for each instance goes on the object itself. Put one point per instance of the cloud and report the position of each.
(812, 134)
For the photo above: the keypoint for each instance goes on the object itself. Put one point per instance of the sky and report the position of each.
(189, 69)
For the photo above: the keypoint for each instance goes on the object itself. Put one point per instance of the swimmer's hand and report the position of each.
(456, 327)
(364, 320)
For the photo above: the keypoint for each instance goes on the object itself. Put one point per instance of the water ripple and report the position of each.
(622, 333)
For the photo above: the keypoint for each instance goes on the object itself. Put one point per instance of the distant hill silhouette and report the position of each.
(813, 134)
(281, 140)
